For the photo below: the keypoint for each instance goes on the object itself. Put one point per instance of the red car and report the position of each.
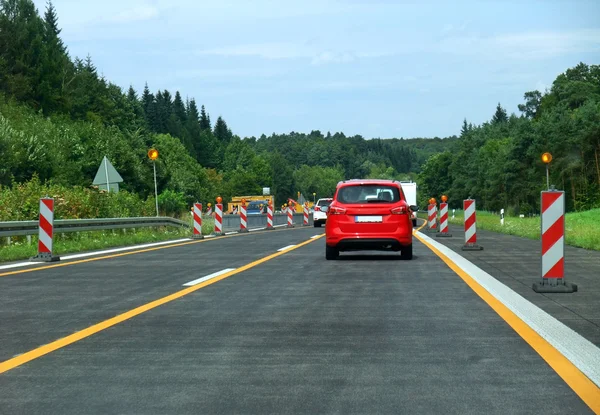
(369, 215)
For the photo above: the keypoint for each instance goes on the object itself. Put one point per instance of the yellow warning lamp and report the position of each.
(153, 154)
(546, 158)
(209, 204)
(243, 202)
(433, 201)
(444, 198)
(290, 204)
(219, 199)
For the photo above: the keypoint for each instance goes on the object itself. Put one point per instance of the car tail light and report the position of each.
(317, 209)
(336, 210)
(400, 210)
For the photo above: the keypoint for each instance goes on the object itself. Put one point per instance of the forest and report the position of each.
(59, 117)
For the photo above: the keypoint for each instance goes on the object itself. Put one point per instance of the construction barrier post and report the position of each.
(502, 217)
(305, 221)
(243, 217)
(270, 216)
(209, 210)
(432, 217)
(553, 245)
(197, 234)
(46, 232)
(443, 221)
(290, 218)
(218, 218)
(470, 226)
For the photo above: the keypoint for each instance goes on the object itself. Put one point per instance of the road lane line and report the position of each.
(316, 236)
(285, 248)
(575, 359)
(208, 277)
(137, 251)
(87, 332)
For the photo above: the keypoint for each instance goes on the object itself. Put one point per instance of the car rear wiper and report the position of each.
(378, 201)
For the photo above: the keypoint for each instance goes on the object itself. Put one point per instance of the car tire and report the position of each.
(407, 252)
(331, 253)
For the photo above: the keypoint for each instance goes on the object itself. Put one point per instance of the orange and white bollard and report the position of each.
(46, 232)
(243, 218)
(444, 219)
(553, 245)
(270, 216)
(290, 218)
(432, 217)
(305, 219)
(218, 217)
(470, 226)
(209, 211)
(197, 233)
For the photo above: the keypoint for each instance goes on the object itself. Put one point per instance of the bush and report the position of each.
(171, 203)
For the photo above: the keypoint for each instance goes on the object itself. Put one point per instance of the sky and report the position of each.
(377, 68)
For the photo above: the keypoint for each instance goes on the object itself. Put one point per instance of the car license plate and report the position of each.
(367, 219)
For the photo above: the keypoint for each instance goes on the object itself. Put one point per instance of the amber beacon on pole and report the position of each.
(46, 232)
(553, 245)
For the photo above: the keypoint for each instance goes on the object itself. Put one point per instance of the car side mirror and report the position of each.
(414, 208)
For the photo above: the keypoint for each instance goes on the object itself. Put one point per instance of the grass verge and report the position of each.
(582, 229)
(89, 241)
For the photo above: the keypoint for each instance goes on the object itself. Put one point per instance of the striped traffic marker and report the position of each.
(553, 245)
(46, 232)
(197, 234)
(218, 219)
(290, 218)
(305, 221)
(243, 218)
(270, 216)
(470, 227)
(444, 221)
(432, 217)
(209, 210)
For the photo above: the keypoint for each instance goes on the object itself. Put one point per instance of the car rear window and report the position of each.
(368, 193)
(255, 205)
(324, 202)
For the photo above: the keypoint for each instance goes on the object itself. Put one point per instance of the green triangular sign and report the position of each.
(107, 177)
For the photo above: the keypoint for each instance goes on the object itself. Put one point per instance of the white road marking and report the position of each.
(580, 351)
(208, 277)
(231, 233)
(256, 229)
(315, 237)
(108, 251)
(285, 248)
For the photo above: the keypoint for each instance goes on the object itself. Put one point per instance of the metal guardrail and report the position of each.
(30, 227)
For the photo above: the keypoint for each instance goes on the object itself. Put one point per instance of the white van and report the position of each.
(410, 192)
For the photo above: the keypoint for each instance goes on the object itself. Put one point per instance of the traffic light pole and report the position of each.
(547, 178)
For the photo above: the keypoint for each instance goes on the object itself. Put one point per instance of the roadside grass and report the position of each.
(70, 243)
(582, 229)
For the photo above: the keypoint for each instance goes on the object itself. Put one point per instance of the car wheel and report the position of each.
(407, 252)
(331, 252)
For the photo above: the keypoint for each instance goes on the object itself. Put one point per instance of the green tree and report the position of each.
(500, 115)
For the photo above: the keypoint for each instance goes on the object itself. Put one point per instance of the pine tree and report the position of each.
(147, 98)
(500, 116)
(179, 108)
(204, 120)
(131, 94)
(221, 131)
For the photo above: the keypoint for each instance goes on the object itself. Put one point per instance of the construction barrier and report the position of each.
(197, 233)
(46, 232)
(432, 217)
(270, 216)
(209, 211)
(218, 219)
(290, 221)
(553, 245)
(470, 226)
(444, 221)
(243, 218)
(305, 221)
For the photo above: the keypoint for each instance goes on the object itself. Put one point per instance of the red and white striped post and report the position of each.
(444, 221)
(197, 233)
(218, 217)
(470, 226)
(290, 218)
(243, 217)
(305, 221)
(46, 232)
(432, 217)
(553, 245)
(270, 216)
(209, 210)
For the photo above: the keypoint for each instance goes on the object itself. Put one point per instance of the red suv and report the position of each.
(369, 215)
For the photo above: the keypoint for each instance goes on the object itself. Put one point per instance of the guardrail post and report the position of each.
(46, 232)
(197, 233)
(470, 226)
(553, 245)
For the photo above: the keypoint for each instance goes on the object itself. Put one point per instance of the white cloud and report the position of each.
(138, 13)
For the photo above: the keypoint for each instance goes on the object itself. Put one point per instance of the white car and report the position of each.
(319, 217)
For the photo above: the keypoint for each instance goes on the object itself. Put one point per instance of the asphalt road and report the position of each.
(293, 333)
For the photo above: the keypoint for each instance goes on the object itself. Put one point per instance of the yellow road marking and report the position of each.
(587, 390)
(75, 337)
(139, 251)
